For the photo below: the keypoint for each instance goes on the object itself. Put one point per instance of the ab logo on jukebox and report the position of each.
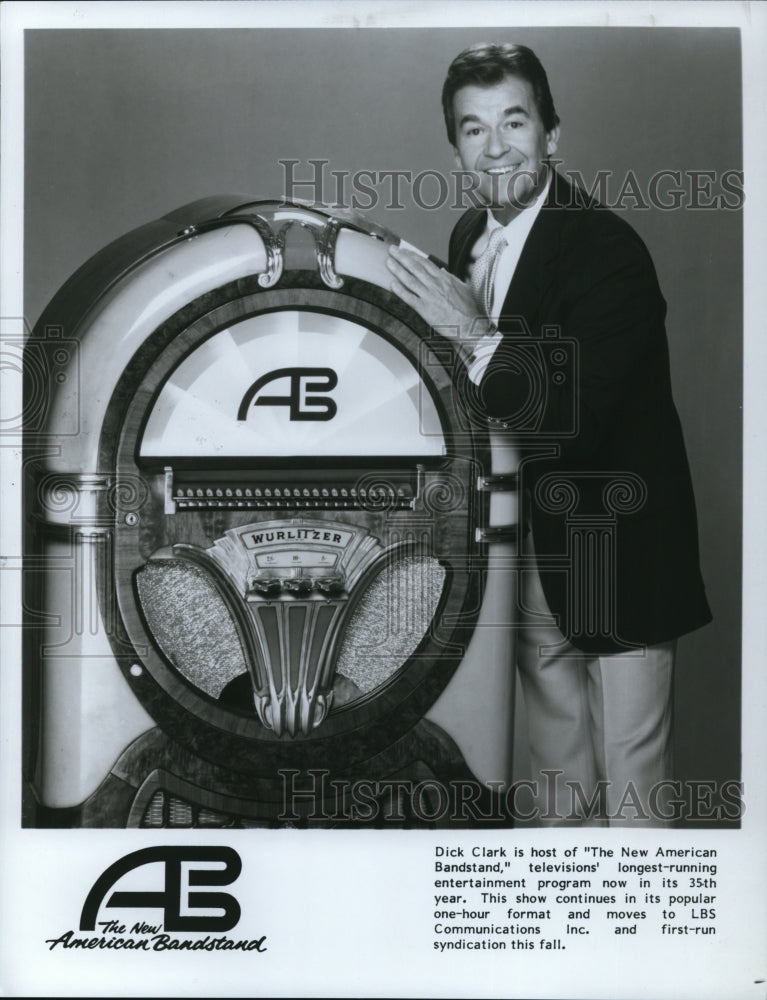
(303, 381)
(171, 882)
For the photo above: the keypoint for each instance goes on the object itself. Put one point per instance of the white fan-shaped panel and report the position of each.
(343, 391)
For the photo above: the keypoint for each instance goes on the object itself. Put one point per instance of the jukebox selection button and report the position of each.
(300, 585)
(266, 586)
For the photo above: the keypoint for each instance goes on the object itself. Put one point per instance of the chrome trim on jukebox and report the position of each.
(499, 533)
(87, 503)
(498, 484)
(274, 242)
(326, 249)
(67, 500)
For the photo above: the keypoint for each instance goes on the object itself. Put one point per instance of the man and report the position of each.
(610, 574)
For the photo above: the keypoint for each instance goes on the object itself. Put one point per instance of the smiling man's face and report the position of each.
(501, 139)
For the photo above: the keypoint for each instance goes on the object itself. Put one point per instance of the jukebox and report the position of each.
(270, 548)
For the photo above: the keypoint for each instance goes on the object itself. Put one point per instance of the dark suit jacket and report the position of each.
(604, 477)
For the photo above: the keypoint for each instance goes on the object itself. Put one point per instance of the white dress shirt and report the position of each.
(515, 234)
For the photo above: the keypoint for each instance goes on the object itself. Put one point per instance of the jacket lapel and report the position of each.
(536, 267)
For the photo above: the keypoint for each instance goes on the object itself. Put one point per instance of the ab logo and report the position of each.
(302, 382)
(184, 867)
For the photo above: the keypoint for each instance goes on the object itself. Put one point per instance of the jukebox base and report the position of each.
(420, 781)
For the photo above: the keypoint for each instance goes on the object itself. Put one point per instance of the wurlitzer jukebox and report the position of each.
(270, 549)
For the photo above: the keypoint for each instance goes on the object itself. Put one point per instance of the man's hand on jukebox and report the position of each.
(443, 301)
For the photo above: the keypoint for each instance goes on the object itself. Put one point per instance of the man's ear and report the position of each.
(457, 157)
(552, 140)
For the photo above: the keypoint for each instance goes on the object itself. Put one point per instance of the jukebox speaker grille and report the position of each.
(390, 620)
(191, 624)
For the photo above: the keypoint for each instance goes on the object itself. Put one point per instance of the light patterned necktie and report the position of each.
(483, 271)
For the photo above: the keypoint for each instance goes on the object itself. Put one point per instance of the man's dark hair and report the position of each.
(486, 65)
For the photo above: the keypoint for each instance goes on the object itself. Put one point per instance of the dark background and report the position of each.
(123, 126)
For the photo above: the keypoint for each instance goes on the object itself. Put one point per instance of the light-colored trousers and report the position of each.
(591, 720)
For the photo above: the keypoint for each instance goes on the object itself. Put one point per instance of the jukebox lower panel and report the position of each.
(157, 783)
